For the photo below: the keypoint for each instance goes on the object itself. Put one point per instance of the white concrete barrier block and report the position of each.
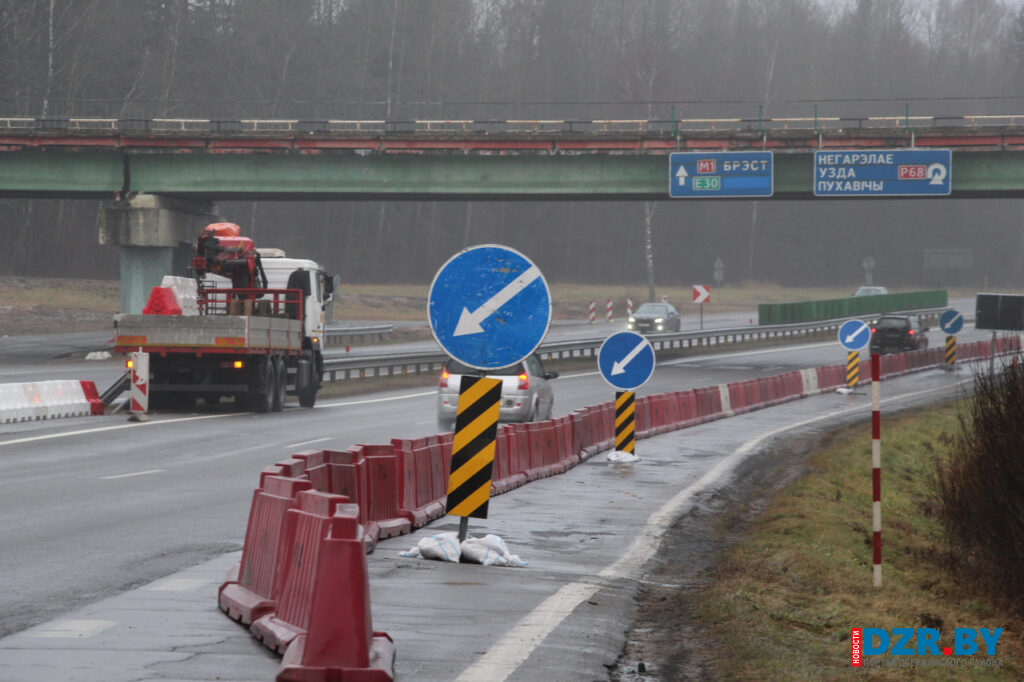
(723, 391)
(810, 378)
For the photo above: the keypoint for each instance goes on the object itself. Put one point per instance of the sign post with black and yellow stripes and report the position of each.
(476, 428)
(951, 322)
(489, 307)
(625, 421)
(626, 361)
(853, 368)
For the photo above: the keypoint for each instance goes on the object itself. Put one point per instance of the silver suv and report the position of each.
(525, 392)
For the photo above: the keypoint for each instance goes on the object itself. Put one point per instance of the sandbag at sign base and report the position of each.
(489, 550)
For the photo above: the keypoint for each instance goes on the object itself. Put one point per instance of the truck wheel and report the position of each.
(261, 395)
(280, 383)
(307, 379)
(307, 396)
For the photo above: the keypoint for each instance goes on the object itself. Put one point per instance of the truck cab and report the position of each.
(298, 273)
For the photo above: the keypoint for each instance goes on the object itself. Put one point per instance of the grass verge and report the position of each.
(782, 601)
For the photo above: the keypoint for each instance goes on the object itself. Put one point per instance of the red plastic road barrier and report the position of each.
(709, 402)
(96, 406)
(417, 484)
(607, 414)
(305, 527)
(339, 642)
(382, 503)
(253, 592)
(439, 468)
(162, 302)
(643, 416)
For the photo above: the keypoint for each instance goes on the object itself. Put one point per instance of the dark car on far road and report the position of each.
(654, 317)
(897, 333)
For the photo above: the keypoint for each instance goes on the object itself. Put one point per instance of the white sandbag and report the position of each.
(441, 547)
(622, 456)
(490, 550)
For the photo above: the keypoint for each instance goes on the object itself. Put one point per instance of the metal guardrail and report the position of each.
(403, 364)
(338, 334)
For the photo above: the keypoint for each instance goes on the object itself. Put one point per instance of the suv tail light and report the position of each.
(524, 381)
(444, 378)
(911, 332)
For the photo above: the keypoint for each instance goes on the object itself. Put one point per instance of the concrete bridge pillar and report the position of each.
(156, 235)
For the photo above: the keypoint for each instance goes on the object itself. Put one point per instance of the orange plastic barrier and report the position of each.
(419, 503)
(306, 526)
(338, 642)
(253, 591)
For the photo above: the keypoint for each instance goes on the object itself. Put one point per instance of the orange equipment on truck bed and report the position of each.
(221, 250)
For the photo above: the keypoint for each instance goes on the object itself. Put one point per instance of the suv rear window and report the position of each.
(893, 323)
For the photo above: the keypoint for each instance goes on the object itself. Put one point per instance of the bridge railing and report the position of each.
(517, 126)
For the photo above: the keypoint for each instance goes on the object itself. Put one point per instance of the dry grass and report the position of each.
(95, 295)
(784, 600)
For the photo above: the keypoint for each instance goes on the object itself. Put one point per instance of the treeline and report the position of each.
(497, 59)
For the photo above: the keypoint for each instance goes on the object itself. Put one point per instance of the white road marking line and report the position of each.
(101, 429)
(70, 629)
(306, 442)
(177, 585)
(134, 473)
(373, 400)
(505, 657)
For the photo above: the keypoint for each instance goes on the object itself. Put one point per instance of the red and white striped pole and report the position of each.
(592, 311)
(609, 310)
(664, 299)
(629, 306)
(876, 469)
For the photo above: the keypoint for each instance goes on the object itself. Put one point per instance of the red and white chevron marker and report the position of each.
(876, 469)
(610, 306)
(139, 391)
(592, 311)
(701, 293)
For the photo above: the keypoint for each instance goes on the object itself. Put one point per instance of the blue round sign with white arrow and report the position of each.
(489, 307)
(951, 322)
(626, 360)
(854, 334)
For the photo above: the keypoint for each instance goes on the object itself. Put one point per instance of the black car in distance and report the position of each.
(898, 333)
(654, 318)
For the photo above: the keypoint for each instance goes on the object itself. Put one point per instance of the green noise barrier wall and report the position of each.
(854, 306)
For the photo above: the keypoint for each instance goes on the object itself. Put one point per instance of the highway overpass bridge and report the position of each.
(163, 175)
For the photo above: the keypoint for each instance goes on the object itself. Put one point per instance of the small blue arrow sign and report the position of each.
(854, 334)
(626, 360)
(951, 322)
(489, 307)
